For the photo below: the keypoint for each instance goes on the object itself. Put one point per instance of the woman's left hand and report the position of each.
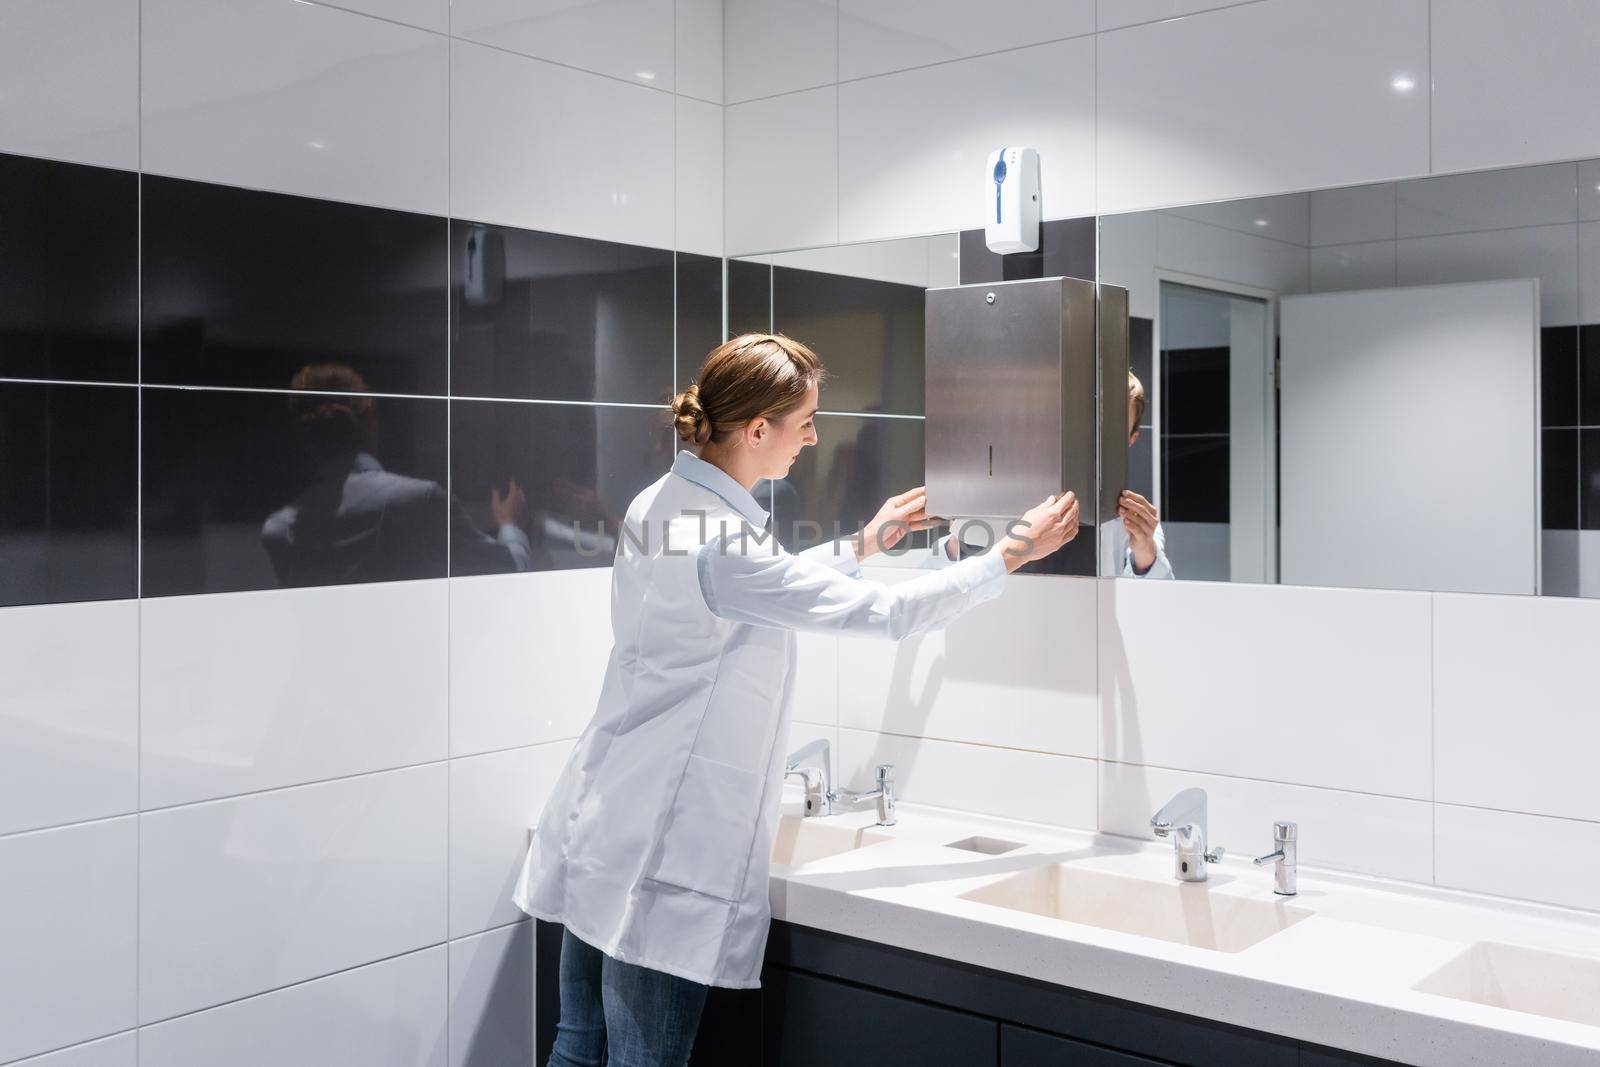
(899, 515)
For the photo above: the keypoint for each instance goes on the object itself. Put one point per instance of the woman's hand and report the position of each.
(899, 516)
(1045, 528)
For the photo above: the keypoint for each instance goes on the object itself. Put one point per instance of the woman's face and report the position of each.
(779, 446)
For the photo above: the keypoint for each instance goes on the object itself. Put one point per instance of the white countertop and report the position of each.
(1342, 977)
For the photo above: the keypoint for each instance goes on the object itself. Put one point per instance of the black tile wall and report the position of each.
(868, 333)
(1589, 375)
(563, 473)
(699, 312)
(837, 486)
(254, 490)
(1066, 249)
(68, 492)
(1589, 478)
(1194, 479)
(1141, 466)
(244, 288)
(69, 271)
(749, 297)
(544, 316)
(1141, 354)
(1560, 487)
(1194, 390)
(1558, 375)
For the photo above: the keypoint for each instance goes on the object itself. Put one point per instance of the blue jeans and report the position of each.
(621, 1014)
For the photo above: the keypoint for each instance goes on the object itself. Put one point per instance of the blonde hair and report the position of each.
(1136, 394)
(755, 375)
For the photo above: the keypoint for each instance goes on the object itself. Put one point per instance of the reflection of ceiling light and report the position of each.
(1402, 84)
(1261, 222)
(645, 75)
(316, 144)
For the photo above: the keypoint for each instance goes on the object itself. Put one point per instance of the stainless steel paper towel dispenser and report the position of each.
(1012, 403)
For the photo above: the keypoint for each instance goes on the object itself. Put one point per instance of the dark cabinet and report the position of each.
(811, 1021)
(1030, 1048)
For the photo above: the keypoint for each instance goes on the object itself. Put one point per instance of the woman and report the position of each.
(654, 846)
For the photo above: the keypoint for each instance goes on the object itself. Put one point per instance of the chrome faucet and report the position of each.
(811, 763)
(1184, 819)
(884, 795)
(1285, 876)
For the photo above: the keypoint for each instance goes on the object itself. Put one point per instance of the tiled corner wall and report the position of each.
(1411, 734)
(256, 825)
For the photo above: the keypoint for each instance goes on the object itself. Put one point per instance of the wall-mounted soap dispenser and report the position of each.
(1013, 411)
(1011, 201)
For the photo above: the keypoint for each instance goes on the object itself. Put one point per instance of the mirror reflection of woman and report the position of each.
(653, 849)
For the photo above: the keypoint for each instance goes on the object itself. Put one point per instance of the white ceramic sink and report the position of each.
(1185, 914)
(801, 840)
(1521, 979)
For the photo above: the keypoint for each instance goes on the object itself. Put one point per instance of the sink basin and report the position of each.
(806, 840)
(1185, 914)
(1521, 979)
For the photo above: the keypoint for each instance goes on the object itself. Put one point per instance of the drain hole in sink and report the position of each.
(989, 846)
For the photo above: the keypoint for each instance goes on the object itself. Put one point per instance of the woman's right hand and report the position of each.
(1045, 528)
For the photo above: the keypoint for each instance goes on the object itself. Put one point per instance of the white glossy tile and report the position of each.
(1360, 266)
(1345, 831)
(1018, 671)
(1010, 783)
(69, 80)
(1129, 248)
(546, 147)
(1524, 856)
(795, 202)
(69, 925)
(926, 262)
(1286, 684)
(1488, 200)
(388, 1014)
(494, 799)
(528, 655)
(699, 37)
(1117, 13)
(119, 1051)
(1513, 82)
(628, 39)
(699, 177)
(1589, 563)
(1589, 272)
(331, 876)
(778, 46)
(1559, 566)
(1184, 116)
(1589, 190)
(912, 145)
(1197, 248)
(491, 998)
(1549, 253)
(879, 36)
(817, 678)
(249, 691)
(297, 98)
(69, 713)
(1353, 214)
(428, 14)
(1492, 654)
(1280, 218)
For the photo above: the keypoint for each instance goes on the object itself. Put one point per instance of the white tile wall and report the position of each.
(1192, 90)
(494, 799)
(491, 998)
(816, 692)
(329, 876)
(1549, 253)
(1370, 265)
(388, 1014)
(69, 713)
(629, 39)
(1284, 684)
(1589, 190)
(1493, 200)
(332, 681)
(297, 98)
(547, 147)
(1350, 831)
(1514, 82)
(1116, 13)
(1018, 672)
(698, 176)
(119, 1051)
(879, 36)
(699, 45)
(1280, 218)
(779, 46)
(912, 145)
(1513, 704)
(528, 653)
(68, 923)
(428, 14)
(1352, 214)
(1007, 782)
(1589, 272)
(69, 80)
(781, 171)
(1533, 858)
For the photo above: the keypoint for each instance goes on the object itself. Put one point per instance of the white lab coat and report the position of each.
(1116, 557)
(655, 843)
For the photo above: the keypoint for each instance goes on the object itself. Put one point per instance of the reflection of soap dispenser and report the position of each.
(1011, 201)
(484, 273)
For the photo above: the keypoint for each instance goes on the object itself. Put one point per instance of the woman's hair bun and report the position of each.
(689, 418)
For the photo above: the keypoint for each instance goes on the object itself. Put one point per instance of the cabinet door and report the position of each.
(1030, 1048)
(811, 1021)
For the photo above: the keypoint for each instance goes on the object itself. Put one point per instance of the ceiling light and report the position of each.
(645, 75)
(1402, 84)
(316, 144)
(1261, 222)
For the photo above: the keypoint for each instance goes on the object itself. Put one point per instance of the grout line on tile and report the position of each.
(576, 69)
(1267, 781)
(1433, 740)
